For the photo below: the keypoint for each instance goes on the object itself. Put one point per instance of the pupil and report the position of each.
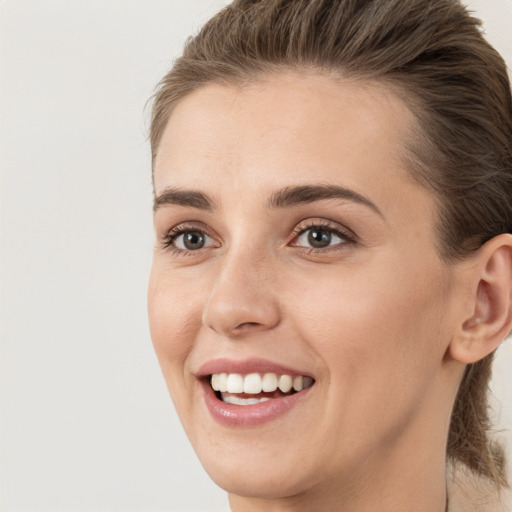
(319, 238)
(193, 240)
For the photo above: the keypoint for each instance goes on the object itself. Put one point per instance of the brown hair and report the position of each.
(433, 53)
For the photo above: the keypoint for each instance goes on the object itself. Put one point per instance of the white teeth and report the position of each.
(235, 400)
(215, 381)
(235, 383)
(222, 382)
(269, 382)
(298, 383)
(254, 383)
(285, 383)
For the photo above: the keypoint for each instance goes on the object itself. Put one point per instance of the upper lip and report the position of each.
(246, 366)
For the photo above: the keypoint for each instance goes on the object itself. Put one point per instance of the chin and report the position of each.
(259, 470)
(251, 483)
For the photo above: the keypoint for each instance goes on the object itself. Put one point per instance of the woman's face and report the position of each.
(290, 240)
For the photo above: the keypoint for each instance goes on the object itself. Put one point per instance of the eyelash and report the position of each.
(170, 237)
(346, 235)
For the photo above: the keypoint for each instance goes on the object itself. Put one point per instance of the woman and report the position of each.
(333, 266)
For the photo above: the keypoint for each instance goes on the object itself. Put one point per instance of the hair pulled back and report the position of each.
(431, 53)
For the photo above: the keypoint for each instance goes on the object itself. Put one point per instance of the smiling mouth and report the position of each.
(256, 388)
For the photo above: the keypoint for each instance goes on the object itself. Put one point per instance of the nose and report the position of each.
(242, 298)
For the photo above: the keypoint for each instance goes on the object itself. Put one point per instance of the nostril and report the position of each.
(247, 325)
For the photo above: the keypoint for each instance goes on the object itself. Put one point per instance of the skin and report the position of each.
(375, 319)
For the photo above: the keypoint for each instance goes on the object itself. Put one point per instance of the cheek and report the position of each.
(378, 329)
(173, 320)
(384, 309)
(379, 337)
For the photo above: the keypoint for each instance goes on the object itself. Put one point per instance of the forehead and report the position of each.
(286, 128)
(292, 114)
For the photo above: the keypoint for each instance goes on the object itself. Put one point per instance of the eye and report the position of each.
(318, 237)
(182, 239)
(191, 241)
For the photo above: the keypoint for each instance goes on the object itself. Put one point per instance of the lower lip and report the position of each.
(249, 415)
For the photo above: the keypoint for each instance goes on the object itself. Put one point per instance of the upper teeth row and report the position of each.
(254, 383)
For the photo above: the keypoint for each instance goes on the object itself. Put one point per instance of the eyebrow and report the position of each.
(284, 198)
(177, 196)
(292, 196)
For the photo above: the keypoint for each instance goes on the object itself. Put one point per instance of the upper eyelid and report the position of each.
(186, 226)
(170, 235)
(325, 224)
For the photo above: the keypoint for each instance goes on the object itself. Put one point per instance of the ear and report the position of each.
(489, 314)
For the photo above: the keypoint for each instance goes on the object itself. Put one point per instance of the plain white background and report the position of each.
(85, 420)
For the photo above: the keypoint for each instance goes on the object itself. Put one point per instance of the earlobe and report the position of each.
(490, 319)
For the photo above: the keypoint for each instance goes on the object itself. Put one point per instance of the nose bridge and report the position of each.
(242, 295)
